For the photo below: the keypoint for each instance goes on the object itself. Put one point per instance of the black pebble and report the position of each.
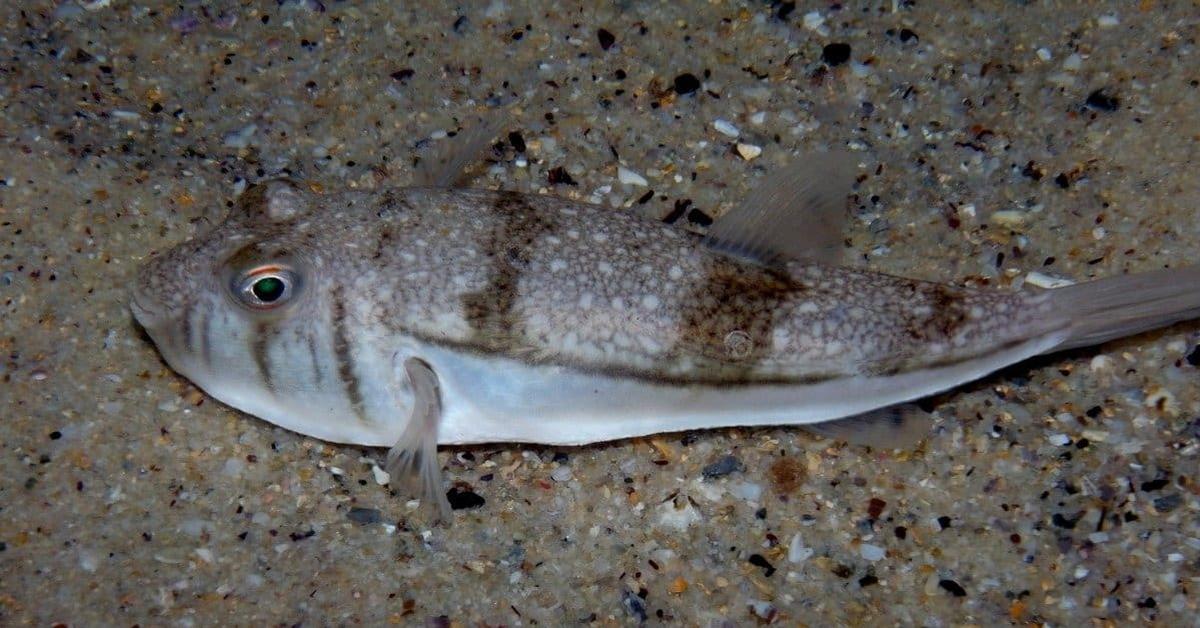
(722, 467)
(758, 561)
(364, 516)
(55, 435)
(686, 83)
(517, 140)
(943, 521)
(634, 605)
(460, 23)
(700, 218)
(1167, 503)
(907, 35)
(836, 54)
(462, 500)
(1154, 485)
(1059, 520)
(1103, 101)
(1062, 181)
(867, 580)
(901, 532)
(559, 175)
(1193, 358)
(403, 75)
(82, 56)
(607, 39)
(953, 587)
(1147, 603)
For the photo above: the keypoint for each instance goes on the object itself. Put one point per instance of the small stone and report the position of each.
(836, 54)
(403, 75)
(1193, 358)
(1008, 218)
(1042, 280)
(722, 467)
(629, 177)
(797, 552)
(758, 561)
(606, 38)
(1072, 63)
(561, 474)
(953, 587)
(1167, 503)
(1108, 20)
(686, 83)
(725, 127)
(1044, 54)
(1059, 440)
(462, 499)
(1101, 100)
(871, 552)
(364, 516)
(748, 151)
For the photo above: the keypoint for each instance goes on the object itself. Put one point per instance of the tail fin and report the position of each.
(1114, 307)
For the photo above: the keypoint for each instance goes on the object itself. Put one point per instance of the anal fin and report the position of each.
(413, 459)
(895, 427)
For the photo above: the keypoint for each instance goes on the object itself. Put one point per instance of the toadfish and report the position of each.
(413, 317)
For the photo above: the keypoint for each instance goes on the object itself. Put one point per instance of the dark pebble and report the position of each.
(463, 499)
(559, 175)
(698, 217)
(758, 561)
(875, 507)
(686, 83)
(1193, 358)
(634, 605)
(722, 467)
(906, 35)
(403, 75)
(1062, 181)
(1101, 100)
(953, 587)
(1155, 484)
(901, 532)
(1147, 603)
(300, 536)
(55, 435)
(1063, 522)
(364, 516)
(83, 56)
(1167, 503)
(867, 580)
(785, 9)
(842, 571)
(561, 457)
(943, 522)
(606, 38)
(517, 140)
(836, 54)
(461, 23)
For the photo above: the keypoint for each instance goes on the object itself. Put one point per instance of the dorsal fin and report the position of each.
(444, 166)
(796, 212)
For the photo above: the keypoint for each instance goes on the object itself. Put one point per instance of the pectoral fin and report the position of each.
(444, 166)
(895, 427)
(797, 212)
(413, 459)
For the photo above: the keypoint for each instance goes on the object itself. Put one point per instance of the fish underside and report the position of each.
(409, 317)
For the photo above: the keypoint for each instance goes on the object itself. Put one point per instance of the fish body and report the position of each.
(409, 317)
(557, 322)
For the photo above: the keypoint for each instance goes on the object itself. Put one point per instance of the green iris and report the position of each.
(268, 289)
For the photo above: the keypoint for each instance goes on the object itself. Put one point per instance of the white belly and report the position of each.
(489, 399)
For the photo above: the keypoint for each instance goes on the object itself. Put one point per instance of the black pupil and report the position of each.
(268, 289)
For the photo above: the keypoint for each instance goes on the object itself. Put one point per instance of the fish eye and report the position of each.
(266, 287)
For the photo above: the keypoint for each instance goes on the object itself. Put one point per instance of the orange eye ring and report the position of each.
(266, 287)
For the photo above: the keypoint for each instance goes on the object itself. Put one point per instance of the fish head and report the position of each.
(241, 311)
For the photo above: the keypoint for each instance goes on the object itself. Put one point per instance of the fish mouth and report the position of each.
(146, 316)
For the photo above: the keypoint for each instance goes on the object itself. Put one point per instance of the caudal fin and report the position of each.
(1114, 307)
